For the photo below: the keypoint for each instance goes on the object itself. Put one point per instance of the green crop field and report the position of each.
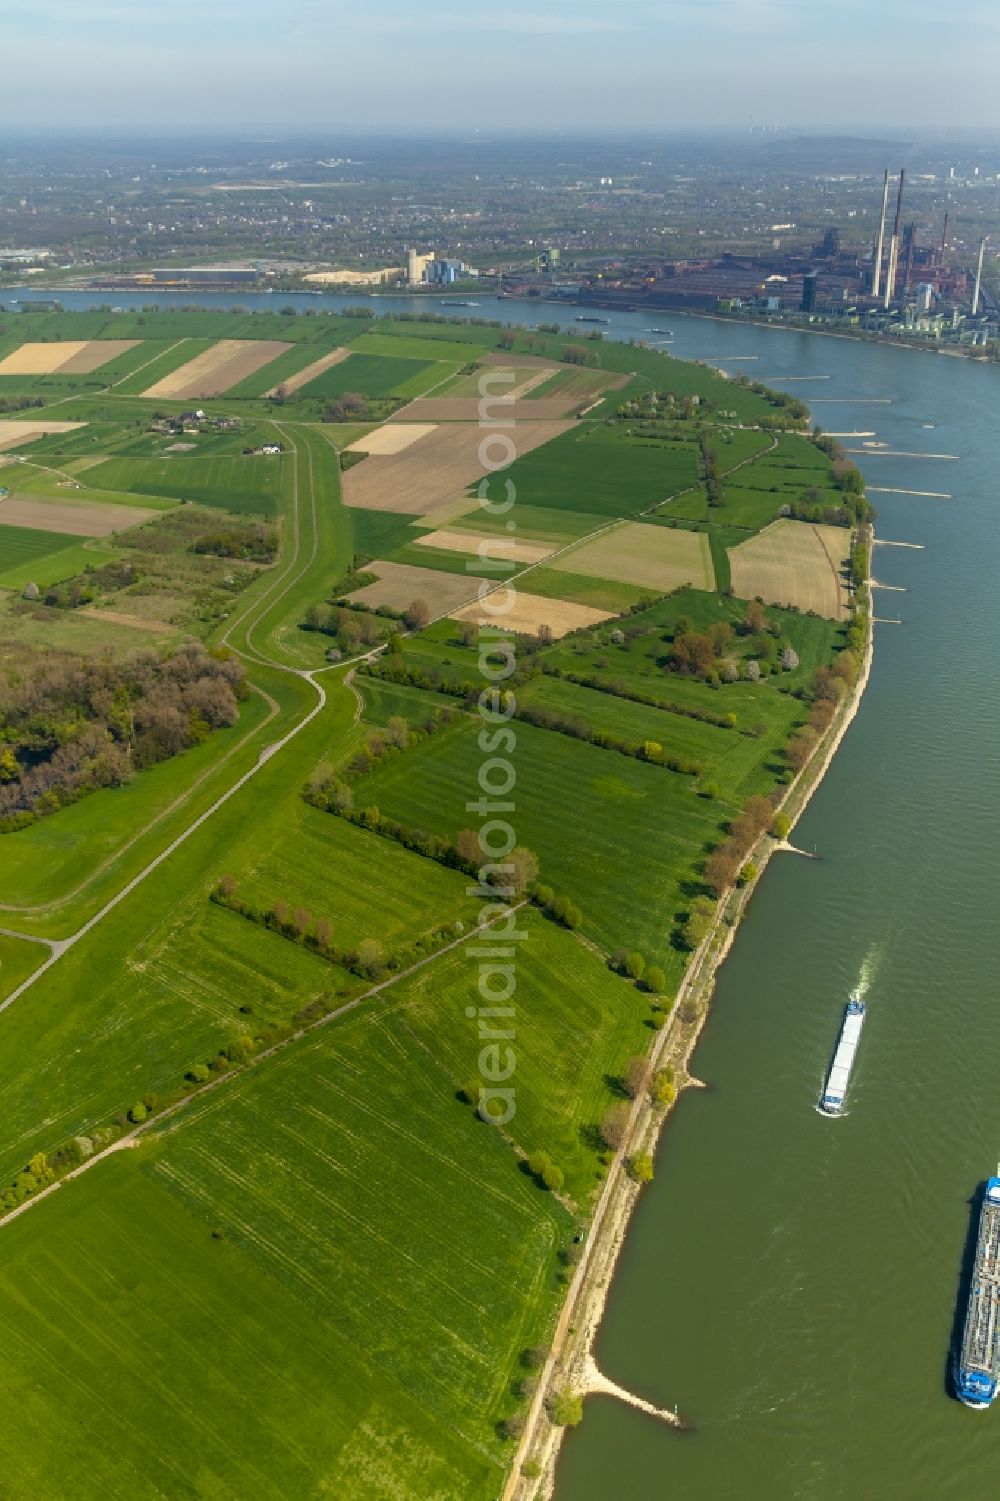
(236, 484)
(405, 345)
(336, 1191)
(370, 375)
(598, 469)
(22, 545)
(173, 1003)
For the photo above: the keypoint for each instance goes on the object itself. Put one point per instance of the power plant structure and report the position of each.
(880, 239)
(899, 281)
(890, 279)
(979, 278)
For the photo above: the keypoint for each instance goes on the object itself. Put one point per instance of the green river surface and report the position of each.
(792, 1282)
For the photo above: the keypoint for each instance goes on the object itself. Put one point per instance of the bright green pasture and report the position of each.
(575, 1026)
(148, 995)
(48, 858)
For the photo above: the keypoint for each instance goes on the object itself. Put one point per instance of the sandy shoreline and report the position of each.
(571, 1363)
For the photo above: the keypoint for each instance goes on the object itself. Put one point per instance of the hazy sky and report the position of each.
(431, 63)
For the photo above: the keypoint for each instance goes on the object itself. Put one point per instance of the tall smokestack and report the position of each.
(911, 243)
(880, 238)
(944, 242)
(899, 202)
(979, 278)
(890, 281)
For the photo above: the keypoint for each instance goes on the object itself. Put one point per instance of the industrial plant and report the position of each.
(898, 283)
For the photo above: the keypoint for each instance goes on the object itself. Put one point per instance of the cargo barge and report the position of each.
(977, 1366)
(839, 1076)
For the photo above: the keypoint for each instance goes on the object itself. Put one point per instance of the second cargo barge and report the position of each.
(979, 1360)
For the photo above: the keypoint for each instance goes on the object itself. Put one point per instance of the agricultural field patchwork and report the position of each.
(70, 358)
(216, 369)
(69, 517)
(435, 471)
(394, 437)
(795, 563)
(528, 613)
(14, 433)
(657, 557)
(322, 1273)
(399, 584)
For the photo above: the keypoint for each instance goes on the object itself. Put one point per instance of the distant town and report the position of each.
(790, 230)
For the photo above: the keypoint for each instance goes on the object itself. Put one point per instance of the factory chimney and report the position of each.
(979, 278)
(911, 244)
(880, 238)
(890, 281)
(944, 242)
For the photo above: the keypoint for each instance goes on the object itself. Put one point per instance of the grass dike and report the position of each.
(571, 1365)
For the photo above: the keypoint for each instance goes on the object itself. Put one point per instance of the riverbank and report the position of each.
(571, 1364)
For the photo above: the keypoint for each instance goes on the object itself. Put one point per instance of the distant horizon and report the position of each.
(897, 134)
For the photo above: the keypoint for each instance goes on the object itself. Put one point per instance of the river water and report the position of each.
(790, 1282)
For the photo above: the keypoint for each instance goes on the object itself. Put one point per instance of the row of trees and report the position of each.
(366, 959)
